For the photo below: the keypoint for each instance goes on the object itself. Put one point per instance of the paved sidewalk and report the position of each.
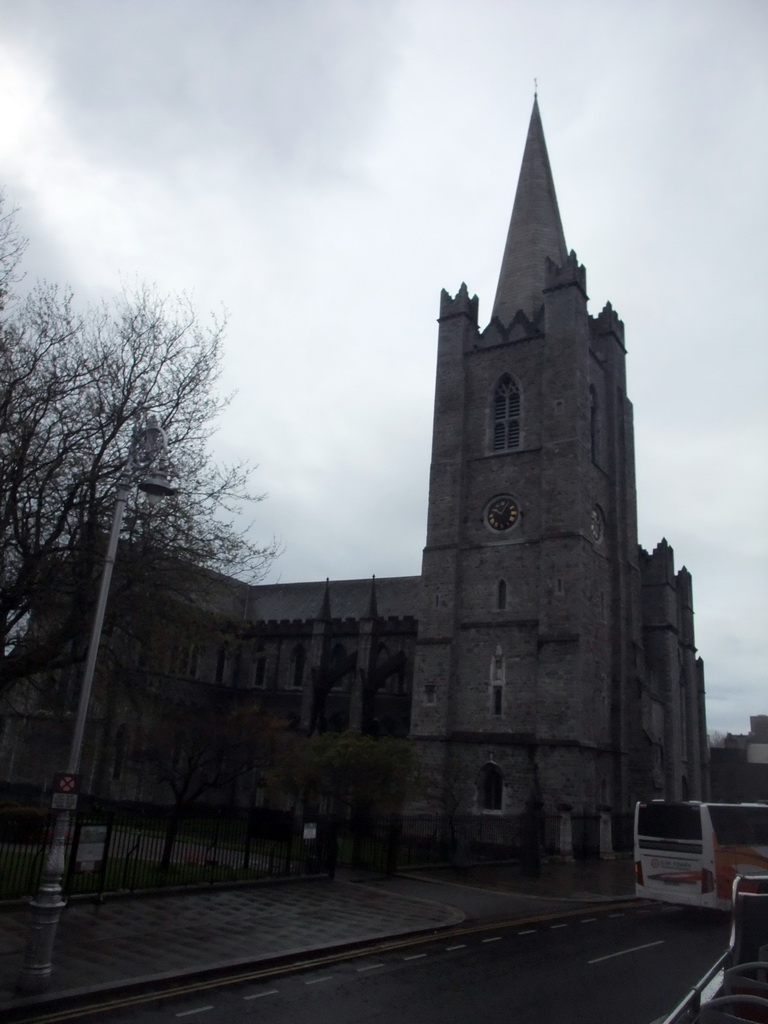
(581, 881)
(141, 940)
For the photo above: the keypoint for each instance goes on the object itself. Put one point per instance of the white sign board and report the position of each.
(310, 830)
(90, 848)
(64, 801)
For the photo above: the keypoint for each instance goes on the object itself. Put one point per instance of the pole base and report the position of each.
(35, 975)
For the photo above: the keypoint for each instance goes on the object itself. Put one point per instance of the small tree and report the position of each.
(208, 752)
(356, 772)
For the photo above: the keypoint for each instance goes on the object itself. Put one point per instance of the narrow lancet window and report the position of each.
(501, 595)
(261, 666)
(594, 425)
(299, 657)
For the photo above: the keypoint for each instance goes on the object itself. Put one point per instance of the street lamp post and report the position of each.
(147, 456)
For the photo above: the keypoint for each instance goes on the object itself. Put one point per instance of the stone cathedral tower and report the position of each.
(531, 678)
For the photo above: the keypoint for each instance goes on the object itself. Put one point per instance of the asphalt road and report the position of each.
(597, 967)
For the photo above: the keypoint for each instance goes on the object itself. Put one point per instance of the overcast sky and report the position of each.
(320, 169)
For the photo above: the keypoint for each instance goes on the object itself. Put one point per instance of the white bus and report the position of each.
(691, 852)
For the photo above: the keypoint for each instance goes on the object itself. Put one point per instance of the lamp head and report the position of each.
(156, 486)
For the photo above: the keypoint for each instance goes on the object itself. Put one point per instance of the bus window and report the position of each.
(740, 824)
(669, 821)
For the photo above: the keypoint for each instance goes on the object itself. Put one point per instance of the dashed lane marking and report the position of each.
(528, 931)
(260, 995)
(496, 938)
(461, 945)
(316, 981)
(623, 952)
(587, 920)
(197, 1009)
(416, 956)
(369, 967)
(616, 915)
(553, 926)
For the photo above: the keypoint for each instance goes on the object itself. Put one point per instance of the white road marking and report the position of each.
(198, 1009)
(496, 938)
(587, 920)
(621, 914)
(316, 981)
(553, 926)
(461, 945)
(368, 967)
(258, 995)
(621, 952)
(416, 956)
(529, 931)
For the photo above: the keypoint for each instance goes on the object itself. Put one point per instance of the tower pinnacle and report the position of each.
(535, 230)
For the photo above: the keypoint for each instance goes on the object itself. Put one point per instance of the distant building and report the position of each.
(541, 655)
(739, 767)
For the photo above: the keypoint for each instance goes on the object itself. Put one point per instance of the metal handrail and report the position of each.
(688, 1008)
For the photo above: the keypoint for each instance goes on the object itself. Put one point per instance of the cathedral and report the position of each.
(541, 652)
(541, 655)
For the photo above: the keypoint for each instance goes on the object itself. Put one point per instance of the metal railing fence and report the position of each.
(399, 841)
(114, 852)
(124, 851)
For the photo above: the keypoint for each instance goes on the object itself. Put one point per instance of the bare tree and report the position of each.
(72, 385)
(208, 752)
(12, 246)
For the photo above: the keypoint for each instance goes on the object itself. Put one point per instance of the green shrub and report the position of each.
(23, 824)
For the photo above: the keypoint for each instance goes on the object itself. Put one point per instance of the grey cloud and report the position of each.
(293, 86)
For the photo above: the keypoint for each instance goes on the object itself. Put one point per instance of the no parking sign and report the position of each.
(66, 786)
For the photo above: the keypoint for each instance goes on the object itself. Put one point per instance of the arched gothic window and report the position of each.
(338, 658)
(299, 658)
(490, 785)
(594, 426)
(221, 664)
(120, 737)
(261, 666)
(506, 414)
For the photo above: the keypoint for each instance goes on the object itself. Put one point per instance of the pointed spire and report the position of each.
(535, 231)
(325, 607)
(373, 612)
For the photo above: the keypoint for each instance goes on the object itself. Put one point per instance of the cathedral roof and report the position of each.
(535, 231)
(396, 596)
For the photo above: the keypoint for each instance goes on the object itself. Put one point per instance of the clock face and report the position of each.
(503, 512)
(596, 525)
